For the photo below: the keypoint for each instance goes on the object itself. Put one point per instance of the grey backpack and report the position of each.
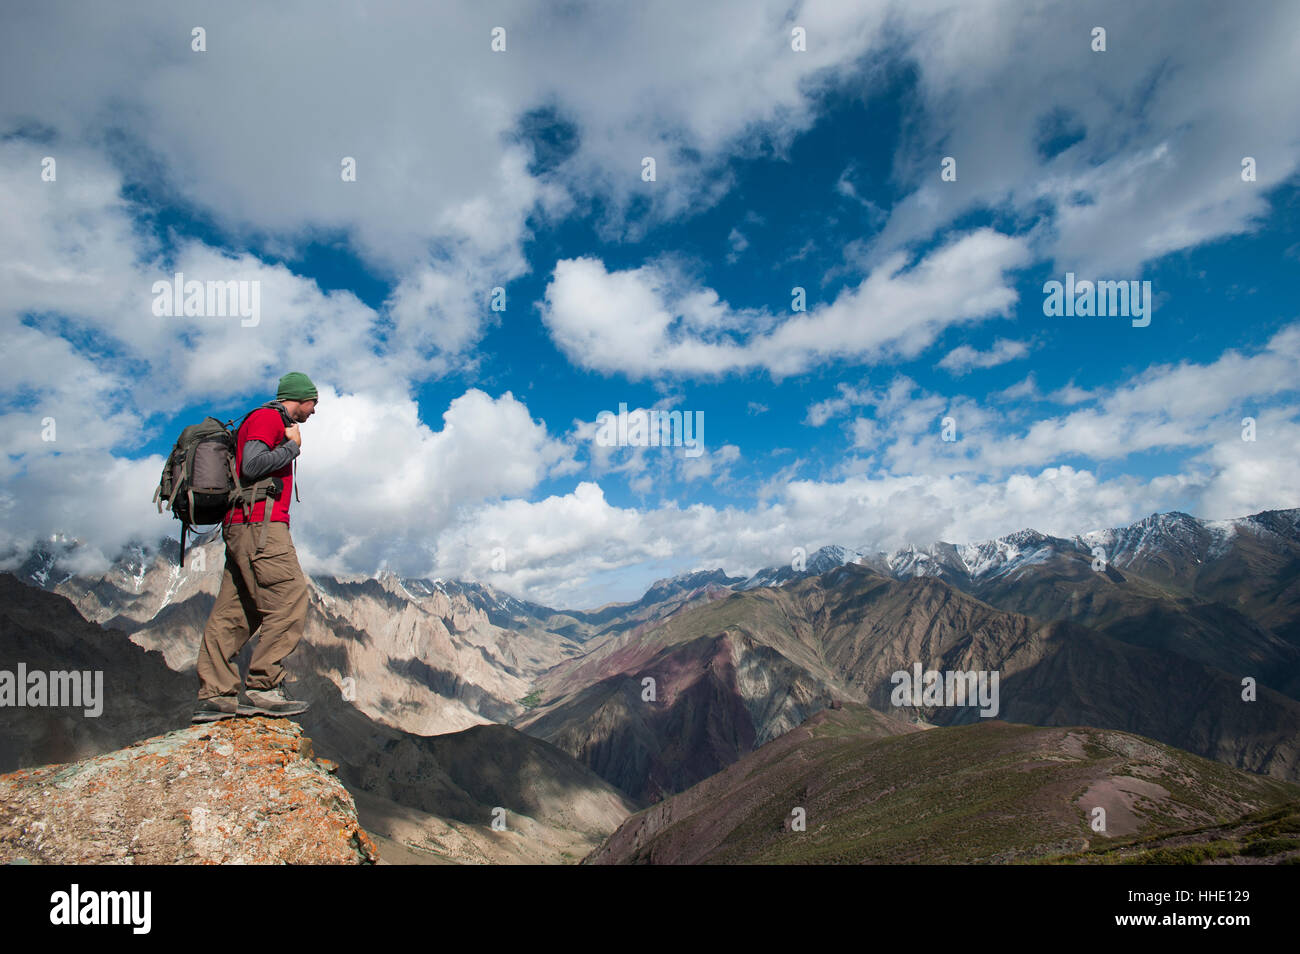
(199, 484)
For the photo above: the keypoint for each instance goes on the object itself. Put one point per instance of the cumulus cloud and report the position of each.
(377, 485)
(683, 454)
(642, 323)
(79, 291)
(445, 184)
(1246, 476)
(1186, 408)
(441, 205)
(388, 483)
(1153, 164)
(557, 550)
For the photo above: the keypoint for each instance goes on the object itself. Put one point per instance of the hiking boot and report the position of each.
(215, 708)
(272, 702)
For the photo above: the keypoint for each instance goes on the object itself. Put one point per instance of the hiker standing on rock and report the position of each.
(262, 585)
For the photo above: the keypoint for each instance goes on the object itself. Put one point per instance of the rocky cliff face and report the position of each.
(420, 655)
(423, 656)
(735, 673)
(716, 698)
(243, 791)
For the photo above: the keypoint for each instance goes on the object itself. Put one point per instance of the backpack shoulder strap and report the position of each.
(246, 495)
(288, 422)
(274, 404)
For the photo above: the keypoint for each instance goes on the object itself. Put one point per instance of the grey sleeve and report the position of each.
(260, 460)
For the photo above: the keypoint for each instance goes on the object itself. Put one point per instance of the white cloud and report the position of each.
(444, 189)
(1071, 394)
(77, 270)
(844, 186)
(557, 549)
(849, 396)
(1167, 115)
(428, 112)
(713, 465)
(642, 323)
(964, 358)
(684, 454)
(736, 239)
(385, 483)
(377, 485)
(1249, 476)
(1184, 408)
(1026, 390)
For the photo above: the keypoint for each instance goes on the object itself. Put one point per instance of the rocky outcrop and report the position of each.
(242, 791)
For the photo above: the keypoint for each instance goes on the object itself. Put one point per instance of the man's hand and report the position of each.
(292, 434)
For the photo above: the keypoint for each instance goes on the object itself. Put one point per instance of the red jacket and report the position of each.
(265, 425)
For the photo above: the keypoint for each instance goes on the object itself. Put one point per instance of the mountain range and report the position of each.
(1178, 630)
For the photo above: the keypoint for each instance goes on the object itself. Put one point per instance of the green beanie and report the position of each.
(296, 386)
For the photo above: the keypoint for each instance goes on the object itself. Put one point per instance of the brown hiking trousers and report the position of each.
(264, 589)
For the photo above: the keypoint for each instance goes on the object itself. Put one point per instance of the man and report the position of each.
(262, 585)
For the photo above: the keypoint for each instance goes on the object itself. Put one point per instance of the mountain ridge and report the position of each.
(992, 792)
(1124, 546)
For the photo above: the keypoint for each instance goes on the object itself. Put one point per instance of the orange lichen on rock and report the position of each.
(241, 791)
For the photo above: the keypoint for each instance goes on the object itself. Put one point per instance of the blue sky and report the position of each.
(456, 441)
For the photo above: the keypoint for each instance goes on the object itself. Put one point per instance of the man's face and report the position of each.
(303, 410)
